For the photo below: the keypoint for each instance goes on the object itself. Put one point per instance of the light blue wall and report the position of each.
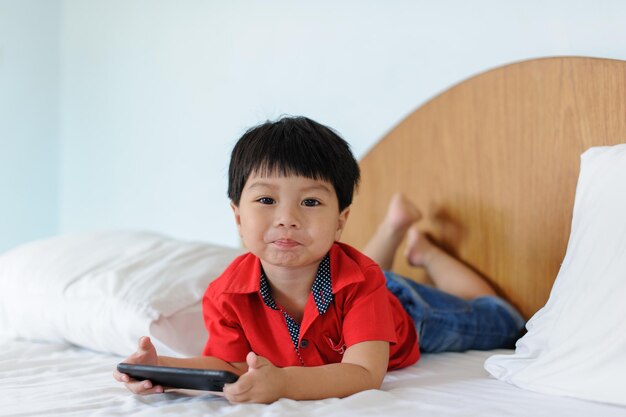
(153, 93)
(29, 140)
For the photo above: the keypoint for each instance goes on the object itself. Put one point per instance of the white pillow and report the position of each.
(576, 344)
(105, 290)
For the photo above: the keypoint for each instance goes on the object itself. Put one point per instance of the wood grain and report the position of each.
(493, 164)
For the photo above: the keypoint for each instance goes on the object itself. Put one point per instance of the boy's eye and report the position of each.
(310, 202)
(266, 200)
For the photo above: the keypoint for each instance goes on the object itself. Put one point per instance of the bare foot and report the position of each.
(419, 248)
(401, 214)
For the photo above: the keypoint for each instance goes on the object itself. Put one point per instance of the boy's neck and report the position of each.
(292, 279)
(291, 286)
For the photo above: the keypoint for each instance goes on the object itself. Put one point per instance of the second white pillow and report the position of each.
(576, 344)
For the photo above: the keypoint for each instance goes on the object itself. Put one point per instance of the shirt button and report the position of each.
(304, 343)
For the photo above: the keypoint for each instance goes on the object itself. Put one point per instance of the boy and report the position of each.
(304, 317)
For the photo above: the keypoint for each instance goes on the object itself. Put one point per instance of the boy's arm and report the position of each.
(363, 367)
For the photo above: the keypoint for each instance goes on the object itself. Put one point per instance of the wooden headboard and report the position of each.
(493, 164)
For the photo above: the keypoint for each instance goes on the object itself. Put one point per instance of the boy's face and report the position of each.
(289, 221)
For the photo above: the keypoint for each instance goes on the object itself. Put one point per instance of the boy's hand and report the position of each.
(262, 383)
(146, 354)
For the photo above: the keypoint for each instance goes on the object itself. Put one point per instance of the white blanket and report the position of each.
(40, 379)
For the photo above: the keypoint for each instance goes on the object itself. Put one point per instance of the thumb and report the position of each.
(145, 344)
(255, 361)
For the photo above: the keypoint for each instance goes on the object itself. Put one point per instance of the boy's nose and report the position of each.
(287, 217)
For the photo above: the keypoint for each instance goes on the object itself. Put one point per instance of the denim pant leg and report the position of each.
(445, 322)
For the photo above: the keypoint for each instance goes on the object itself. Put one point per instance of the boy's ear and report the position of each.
(341, 224)
(237, 216)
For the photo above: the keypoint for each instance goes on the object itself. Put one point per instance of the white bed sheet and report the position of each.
(41, 379)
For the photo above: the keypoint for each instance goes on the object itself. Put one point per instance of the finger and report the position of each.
(157, 389)
(136, 387)
(238, 388)
(237, 398)
(143, 387)
(120, 377)
(255, 361)
(154, 390)
(251, 360)
(145, 344)
(144, 348)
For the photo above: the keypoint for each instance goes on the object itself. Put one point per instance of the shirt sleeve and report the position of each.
(226, 340)
(367, 311)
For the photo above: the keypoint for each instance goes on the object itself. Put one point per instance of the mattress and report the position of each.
(44, 379)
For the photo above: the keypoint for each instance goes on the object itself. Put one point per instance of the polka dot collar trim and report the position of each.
(322, 288)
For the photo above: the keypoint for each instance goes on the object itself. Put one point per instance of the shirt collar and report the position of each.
(322, 288)
(244, 272)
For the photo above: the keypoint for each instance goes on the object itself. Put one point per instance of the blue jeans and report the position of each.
(448, 323)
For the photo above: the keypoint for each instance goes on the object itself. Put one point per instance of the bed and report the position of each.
(54, 379)
(495, 165)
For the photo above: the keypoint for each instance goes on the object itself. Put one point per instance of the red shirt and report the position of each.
(363, 309)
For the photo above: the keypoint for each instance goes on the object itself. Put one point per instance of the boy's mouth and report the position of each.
(286, 243)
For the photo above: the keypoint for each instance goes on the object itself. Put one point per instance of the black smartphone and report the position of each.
(188, 378)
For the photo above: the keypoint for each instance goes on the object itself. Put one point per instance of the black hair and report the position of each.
(294, 146)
